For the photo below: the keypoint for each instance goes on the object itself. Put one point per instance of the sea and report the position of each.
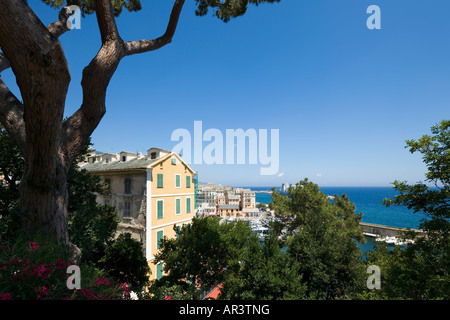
(367, 200)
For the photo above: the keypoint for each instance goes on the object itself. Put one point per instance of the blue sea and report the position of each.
(367, 200)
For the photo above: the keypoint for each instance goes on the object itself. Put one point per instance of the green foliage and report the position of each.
(37, 270)
(88, 6)
(228, 9)
(91, 226)
(124, 261)
(434, 202)
(266, 273)
(11, 169)
(202, 254)
(321, 238)
(306, 206)
(261, 205)
(224, 11)
(421, 270)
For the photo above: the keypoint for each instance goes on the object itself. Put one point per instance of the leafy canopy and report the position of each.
(222, 9)
(321, 239)
(434, 202)
(202, 254)
(421, 270)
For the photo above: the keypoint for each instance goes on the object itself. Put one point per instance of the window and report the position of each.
(153, 155)
(159, 270)
(188, 181)
(107, 202)
(178, 206)
(159, 237)
(127, 184)
(159, 180)
(124, 158)
(188, 205)
(177, 181)
(174, 161)
(127, 209)
(108, 185)
(178, 231)
(160, 209)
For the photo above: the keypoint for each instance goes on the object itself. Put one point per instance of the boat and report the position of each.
(393, 240)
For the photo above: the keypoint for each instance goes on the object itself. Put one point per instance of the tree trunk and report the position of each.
(48, 144)
(44, 205)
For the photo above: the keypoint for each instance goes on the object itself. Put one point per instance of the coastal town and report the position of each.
(166, 150)
(157, 191)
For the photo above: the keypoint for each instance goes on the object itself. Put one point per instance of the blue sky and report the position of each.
(344, 98)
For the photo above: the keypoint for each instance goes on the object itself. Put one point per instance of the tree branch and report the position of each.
(96, 77)
(106, 21)
(56, 28)
(141, 46)
(11, 115)
(59, 27)
(4, 62)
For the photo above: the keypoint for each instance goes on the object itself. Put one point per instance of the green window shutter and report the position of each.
(160, 180)
(178, 231)
(159, 271)
(174, 161)
(178, 206)
(177, 181)
(160, 210)
(188, 181)
(188, 205)
(159, 237)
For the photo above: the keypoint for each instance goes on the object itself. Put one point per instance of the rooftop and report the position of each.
(228, 206)
(137, 163)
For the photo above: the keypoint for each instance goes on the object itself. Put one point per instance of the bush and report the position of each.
(38, 271)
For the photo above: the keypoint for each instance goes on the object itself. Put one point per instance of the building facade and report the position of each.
(226, 201)
(152, 193)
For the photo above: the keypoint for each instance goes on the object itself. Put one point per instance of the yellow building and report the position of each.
(152, 194)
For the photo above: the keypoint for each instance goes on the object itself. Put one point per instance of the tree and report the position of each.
(202, 254)
(321, 238)
(92, 227)
(261, 206)
(47, 143)
(266, 273)
(11, 169)
(125, 262)
(434, 202)
(420, 271)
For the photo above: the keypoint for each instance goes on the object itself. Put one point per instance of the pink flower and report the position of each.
(101, 280)
(5, 296)
(33, 245)
(125, 288)
(43, 291)
(166, 297)
(60, 264)
(88, 294)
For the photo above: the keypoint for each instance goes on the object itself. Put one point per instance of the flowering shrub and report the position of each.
(32, 271)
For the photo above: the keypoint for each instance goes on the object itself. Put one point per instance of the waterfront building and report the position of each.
(152, 193)
(226, 200)
(285, 187)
